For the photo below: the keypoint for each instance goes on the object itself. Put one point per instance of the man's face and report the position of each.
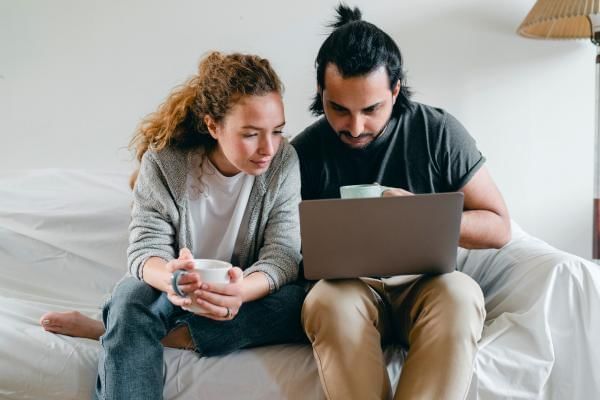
(359, 107)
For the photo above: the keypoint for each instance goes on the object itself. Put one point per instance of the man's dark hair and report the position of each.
(357, 47)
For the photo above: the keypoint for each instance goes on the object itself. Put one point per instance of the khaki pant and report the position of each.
(438, 319)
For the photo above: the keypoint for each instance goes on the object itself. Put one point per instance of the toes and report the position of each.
(46, 321)
(51, 328)
(50, 320)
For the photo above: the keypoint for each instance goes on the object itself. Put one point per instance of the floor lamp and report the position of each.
(573, 19)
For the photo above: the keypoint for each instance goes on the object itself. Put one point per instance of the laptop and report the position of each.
(381, 236)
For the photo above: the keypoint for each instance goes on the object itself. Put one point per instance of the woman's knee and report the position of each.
(292, 296)
(283, 305)
(129, 295)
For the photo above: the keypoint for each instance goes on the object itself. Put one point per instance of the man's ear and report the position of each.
(211, 125)
(396, 91)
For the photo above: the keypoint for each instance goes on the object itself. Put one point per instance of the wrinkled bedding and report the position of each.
(63, 235)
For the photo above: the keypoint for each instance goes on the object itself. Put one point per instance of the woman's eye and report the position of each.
(249, 135)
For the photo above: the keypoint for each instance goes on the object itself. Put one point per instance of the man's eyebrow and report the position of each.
(333, 103)
(371, 107)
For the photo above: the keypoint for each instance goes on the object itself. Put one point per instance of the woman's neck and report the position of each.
(221, 163)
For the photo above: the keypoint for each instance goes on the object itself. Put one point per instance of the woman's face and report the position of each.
(249, 135)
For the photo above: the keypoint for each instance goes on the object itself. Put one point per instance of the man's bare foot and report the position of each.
(72, 323)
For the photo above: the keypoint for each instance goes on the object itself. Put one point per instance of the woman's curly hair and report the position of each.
(222, 80)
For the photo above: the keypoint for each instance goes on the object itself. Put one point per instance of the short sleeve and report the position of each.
(458, 157)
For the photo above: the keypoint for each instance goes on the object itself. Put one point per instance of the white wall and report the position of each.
(77, 76)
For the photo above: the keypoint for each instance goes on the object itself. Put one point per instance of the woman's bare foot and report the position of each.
(72, 323)
(179, 338)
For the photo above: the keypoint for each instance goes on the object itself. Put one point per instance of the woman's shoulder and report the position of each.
(171, 163)
(171, 156)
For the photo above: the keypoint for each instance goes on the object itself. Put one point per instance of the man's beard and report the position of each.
(363, 135)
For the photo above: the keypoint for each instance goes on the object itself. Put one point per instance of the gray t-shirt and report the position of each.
(422, 150)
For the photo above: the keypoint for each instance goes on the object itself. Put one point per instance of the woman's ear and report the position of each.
(211, 125)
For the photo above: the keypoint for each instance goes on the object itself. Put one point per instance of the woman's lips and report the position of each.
(262, 163)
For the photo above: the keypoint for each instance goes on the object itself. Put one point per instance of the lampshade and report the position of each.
(561, 19)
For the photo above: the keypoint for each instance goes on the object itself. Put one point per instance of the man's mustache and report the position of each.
(350, 136)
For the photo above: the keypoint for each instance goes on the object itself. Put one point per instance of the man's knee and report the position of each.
(339, 304)
(459, 301)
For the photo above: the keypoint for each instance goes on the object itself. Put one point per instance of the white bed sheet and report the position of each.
(543, 321)
(62, 246)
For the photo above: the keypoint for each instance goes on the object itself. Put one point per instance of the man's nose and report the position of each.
(357, 125)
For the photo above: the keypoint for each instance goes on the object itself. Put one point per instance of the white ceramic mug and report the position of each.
(361, 191)
(210, 271)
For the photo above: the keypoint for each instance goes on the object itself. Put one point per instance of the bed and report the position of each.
(63, 235)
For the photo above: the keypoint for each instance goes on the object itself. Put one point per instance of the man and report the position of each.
(373, 132)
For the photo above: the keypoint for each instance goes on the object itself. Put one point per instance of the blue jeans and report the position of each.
(138, 316)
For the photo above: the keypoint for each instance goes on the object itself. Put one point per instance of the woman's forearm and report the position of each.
(156, 273)
(255, 286)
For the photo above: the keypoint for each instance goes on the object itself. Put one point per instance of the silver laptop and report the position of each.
(384, 236)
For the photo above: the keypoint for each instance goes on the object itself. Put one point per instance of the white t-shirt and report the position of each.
(216, 205)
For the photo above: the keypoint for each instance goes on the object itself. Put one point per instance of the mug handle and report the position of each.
(175, 282)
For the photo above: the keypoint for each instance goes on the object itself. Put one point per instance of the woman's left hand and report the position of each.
(221, 302)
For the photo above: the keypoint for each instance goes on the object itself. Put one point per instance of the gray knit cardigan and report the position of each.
(269, 235)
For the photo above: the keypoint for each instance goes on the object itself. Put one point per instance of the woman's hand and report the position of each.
(221, 302)
(188, 283)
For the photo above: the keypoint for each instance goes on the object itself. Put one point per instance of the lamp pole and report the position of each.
(595, 25)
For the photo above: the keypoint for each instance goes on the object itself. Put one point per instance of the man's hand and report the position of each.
(395, 192)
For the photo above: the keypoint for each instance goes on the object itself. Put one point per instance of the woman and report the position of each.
(216, 177)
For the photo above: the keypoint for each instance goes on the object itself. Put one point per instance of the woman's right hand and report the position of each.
(188, 283)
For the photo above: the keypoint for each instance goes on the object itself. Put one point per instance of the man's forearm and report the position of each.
(482, 229)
